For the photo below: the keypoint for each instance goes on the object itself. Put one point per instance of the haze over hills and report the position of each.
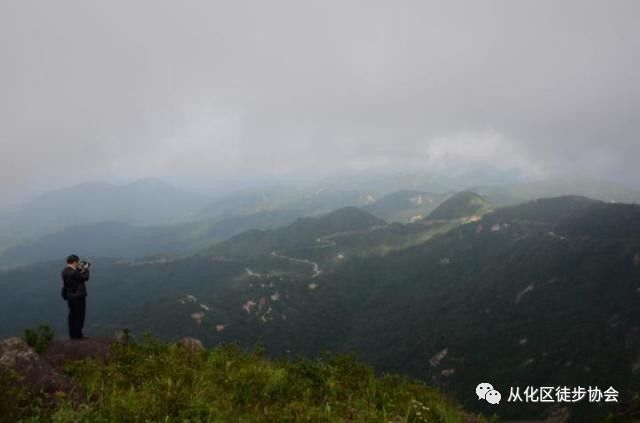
(117, 232)
(305, 200)
(144, 202)
(599, 189)
(141, 214)
(150, 217)
(441, 180)
(405, 205)
(121, 240)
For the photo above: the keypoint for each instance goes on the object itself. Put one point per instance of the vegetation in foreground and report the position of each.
(155, 382)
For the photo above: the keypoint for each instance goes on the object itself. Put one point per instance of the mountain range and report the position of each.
(151, 218)
(406, 205)
(544, 292)
(144, 202)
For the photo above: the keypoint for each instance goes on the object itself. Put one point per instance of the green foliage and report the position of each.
(462, 204)
(13, 397)
(152, 381)
(39, 338)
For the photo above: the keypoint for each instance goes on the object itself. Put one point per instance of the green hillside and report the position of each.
(156, 382)
(525, 296)
(406, 205)
(462, 204)
(302, 233)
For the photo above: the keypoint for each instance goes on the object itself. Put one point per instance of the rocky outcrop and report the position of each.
(43, 375)
(35, 374)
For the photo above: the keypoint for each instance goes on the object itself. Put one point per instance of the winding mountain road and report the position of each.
(315, 267)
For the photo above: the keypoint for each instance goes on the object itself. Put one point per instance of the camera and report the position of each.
(84, 265)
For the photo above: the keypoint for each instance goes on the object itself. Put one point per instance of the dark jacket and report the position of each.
(74, 282)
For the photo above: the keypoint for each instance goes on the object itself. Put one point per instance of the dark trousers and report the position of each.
(77, 308)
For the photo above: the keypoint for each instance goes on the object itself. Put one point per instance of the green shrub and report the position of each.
(39, 338)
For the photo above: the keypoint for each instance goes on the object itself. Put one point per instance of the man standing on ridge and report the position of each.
(74, 291)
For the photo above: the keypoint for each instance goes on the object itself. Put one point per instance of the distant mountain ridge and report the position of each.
(302, 232)
(145, 202)
(33, 230)
(461, 204)
(597, 189)
(125, 241)
(406, 205)
(304, 201)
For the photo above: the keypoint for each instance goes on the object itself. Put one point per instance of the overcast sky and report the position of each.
(185, 89)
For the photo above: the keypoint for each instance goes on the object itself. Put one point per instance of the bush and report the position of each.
(39, 338)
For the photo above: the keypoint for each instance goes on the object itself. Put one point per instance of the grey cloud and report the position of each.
(219, 89)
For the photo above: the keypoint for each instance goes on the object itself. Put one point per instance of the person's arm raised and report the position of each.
(81, 275)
